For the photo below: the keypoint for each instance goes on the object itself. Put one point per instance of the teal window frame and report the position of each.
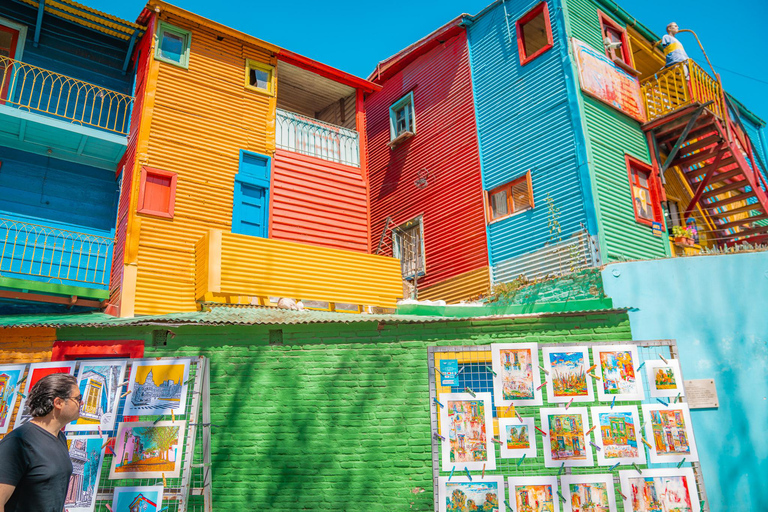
(406, 100)
(186, 37)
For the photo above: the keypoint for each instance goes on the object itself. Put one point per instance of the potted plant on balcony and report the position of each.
(684, 236)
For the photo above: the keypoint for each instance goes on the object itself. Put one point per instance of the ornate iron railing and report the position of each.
(316, 138)
(680, 85)
(40, 90)
(53, 254)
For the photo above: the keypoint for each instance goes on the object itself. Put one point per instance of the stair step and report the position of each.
(699, 157)
(741, 222)
(730, 200)
(736, 211)
(700, 144)
(748, 232)
(692, 175)
(672, 131)
(735, 185)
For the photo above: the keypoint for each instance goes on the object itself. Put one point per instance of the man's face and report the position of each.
(672, 29)
(70, 410)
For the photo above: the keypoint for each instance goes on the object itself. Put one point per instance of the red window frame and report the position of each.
(146, 194)
(520, 31)
(633, 167)
(12, 55)
(100, 349)
(507, 187)
(607, 22)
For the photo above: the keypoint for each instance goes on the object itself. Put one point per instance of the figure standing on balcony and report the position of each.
(672, 48)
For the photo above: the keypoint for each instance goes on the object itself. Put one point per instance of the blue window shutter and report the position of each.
(250, 205)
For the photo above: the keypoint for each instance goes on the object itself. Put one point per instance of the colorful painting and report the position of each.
(477, 495)
(465, 421)
(145, 449)
(534, 494)
(617, 369)
(157, 387)
(517, 376)
(567, 379)
(618, 435)
(138, 499)
(36, 372)
(566, 441)
(99, 383)
(10, 378)
(518, 438)
(588, 493)
(656, 490)
(664, 379)
(87, 456)
(668, 429)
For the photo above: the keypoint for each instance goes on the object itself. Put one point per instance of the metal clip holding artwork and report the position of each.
(437, 402)
(470, 392)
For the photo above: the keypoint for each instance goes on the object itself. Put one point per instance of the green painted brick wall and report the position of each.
(337, 416)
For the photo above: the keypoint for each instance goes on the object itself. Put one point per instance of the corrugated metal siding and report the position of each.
(612, 135)
(757, 144)
(567, 256)
(468, 285)
(525, 124)
(318, 202)
(444, 151)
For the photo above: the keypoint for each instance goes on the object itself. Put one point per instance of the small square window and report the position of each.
(644, 190)
(157, 192)
(402, 120)
(259, 77)
(510, 198)
(534, 33)
(172, 45)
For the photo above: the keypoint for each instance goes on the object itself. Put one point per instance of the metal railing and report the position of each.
(683, 84)
(308, 136)
(54, 254)
(40, 90)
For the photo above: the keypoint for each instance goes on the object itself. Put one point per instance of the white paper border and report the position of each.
(513, 453)
(9, 418)
(72, 439)
(130, 410)
(122, 427)
(442, 486)
(650, 370)
(602, 460)
(626, 488)
(107, 420)
(499, 401)
(638, 394)
(490, 463)
(547, 440)
(21, 418)
(606, 478)
(520, 481)
(551, 398)
(655, 457)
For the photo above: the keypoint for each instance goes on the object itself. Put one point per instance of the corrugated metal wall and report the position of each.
(567, 256)
(611, 135)
(318, 202)
(443, 152)
(525, 123)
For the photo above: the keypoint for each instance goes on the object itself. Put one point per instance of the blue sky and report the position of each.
(354, 36)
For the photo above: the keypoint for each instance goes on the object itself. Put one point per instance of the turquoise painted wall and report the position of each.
(715, 307)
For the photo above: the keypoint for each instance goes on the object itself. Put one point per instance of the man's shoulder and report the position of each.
(667, 39)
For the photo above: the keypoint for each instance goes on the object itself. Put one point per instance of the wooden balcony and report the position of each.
(679, 86)
(236, 268)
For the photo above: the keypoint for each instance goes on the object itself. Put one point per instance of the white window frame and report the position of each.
(397, 235)
(410, 112)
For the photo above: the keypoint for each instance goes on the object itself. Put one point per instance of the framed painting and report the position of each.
(567, 379)
(157, 387)
(669, 430)
(664, 379)
(87, 456)
(145, 449)
(517, 438)
(533, 494)
(566, 441)
(465, 421)
(617, 369)
(517, 380)
(10, 378)
(588, 493)
(652, 490)
(618, 435)
(138, 499)
(479, 494)
(99, 383)
(36, 372)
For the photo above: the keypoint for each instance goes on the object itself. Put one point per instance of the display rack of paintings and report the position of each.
(668, 429)
(10, 378)
(138, 499)
(516, 368)
(534, 494)
(460, 494)
(567, 374)
(617, 369)
(36, 372)
(157, 387)
(664, 379)
(466, 422)
(99, 383)
(517, 437)
(588, 493)
(566, 442)
(654, 490)
(87, 456)
(618, 435)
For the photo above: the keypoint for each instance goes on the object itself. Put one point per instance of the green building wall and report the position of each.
(333, 416)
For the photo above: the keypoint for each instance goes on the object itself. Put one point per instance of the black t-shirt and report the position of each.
(38, 465)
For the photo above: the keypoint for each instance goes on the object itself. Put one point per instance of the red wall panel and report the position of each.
(318, 202)
(444, 149)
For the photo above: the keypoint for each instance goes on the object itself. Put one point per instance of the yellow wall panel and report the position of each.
(469, 285)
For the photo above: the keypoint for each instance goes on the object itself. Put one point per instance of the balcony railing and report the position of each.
(680, 85)
(46, 92)
(44, 253)
(316, 138)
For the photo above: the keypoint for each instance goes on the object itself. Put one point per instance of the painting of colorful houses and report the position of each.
(138, 499)
(478, 495)
(567, 442)
(157, 387)
(148, 450)
(616, 366)
(669, 430)
(99, 383)
(589, 493)
(465, 420)
(534, 494)
(618, 435)
(87, 455)
(660, 490)
(517, 376)
(567, 369)
(10, 375)
(664, 378)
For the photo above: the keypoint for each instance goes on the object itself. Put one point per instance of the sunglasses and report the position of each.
(78, 398)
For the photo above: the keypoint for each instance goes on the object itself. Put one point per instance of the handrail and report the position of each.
(49, 252)
(679, 85)
(316, 138)
(36, 89)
